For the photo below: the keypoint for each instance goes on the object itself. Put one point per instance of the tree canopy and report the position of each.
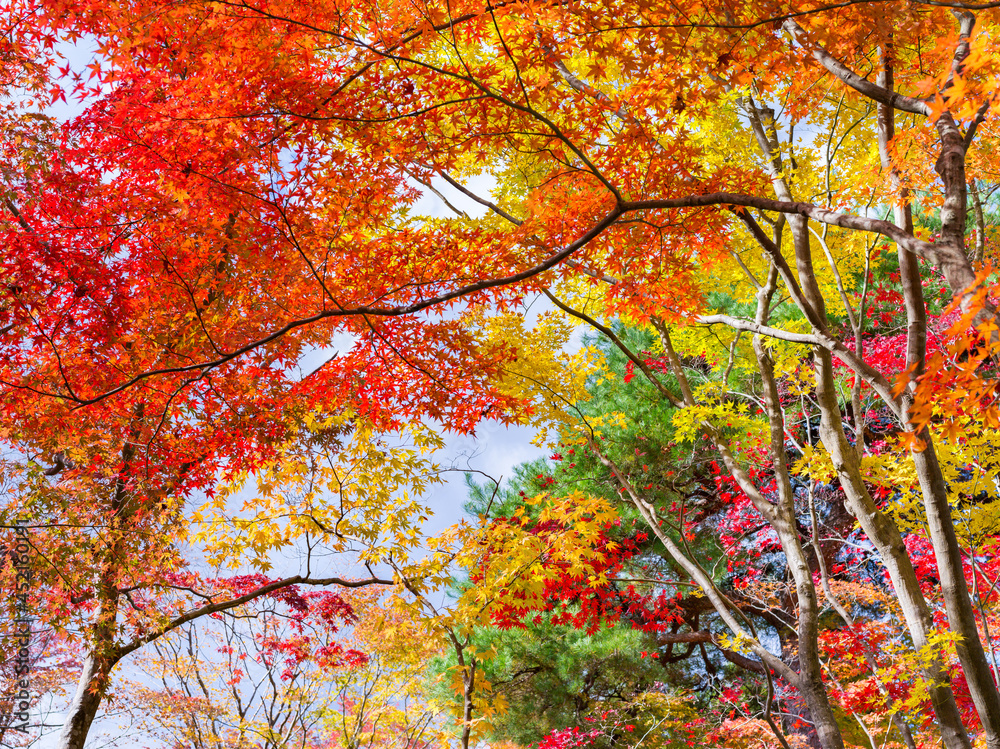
(228, 338)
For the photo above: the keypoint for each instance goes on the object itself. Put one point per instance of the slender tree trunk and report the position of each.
(947, 552)
(961, 617)
(897, 718)
(83, 709)
(955, 591)
(877, 526)
(885, 535)
(104, 651)
(469, 685)
(723, 607)
(784, 522)
(781, 517)
(979, 250)
(91, 687)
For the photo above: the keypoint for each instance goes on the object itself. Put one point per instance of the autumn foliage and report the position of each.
(234, 341)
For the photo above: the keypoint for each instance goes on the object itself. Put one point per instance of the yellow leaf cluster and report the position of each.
(362, 496)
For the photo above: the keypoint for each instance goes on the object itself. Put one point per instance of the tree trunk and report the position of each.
(101, 659)
(784, 522)
(979, 250)
(955, 591)
(934, 491)
(90, 692)
(879, 528)
(104, 651)
(887, 539)
(781, 517)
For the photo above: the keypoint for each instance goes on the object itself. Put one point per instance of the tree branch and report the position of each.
(852, 79)
(214, 608)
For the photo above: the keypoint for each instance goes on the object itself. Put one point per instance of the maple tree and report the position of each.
(709, 174)
(643, 591)
(265, 687)
(283, 673)
(111, 565)
(388, 700)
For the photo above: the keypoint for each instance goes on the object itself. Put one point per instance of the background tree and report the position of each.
(265, 677)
